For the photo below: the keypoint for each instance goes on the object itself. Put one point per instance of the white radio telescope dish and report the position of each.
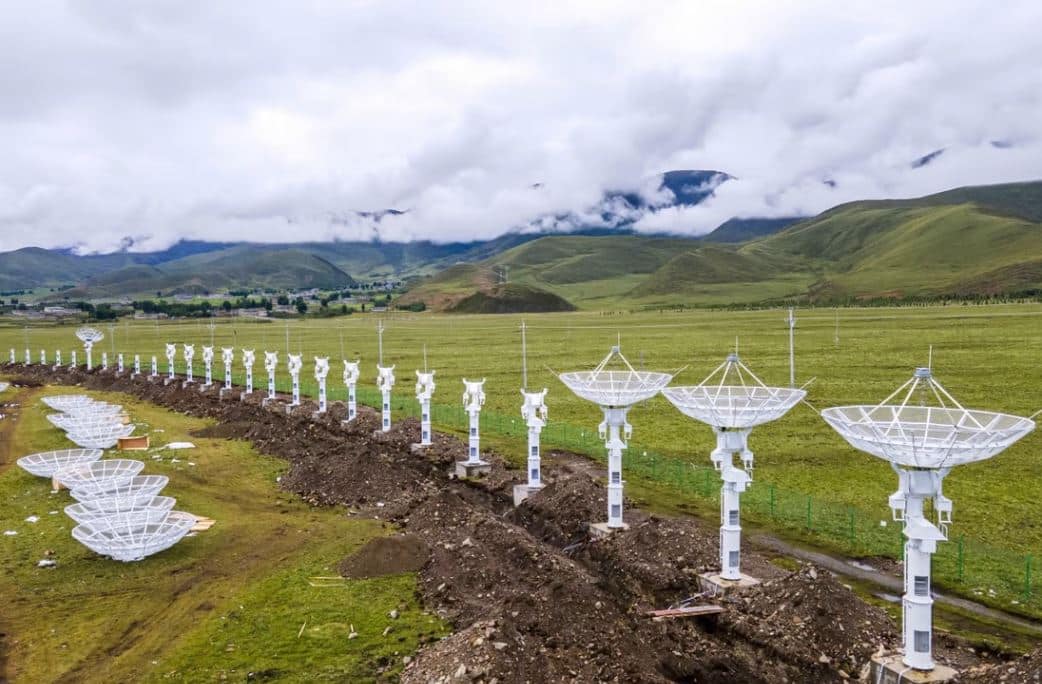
(923, 432)
(615, 391)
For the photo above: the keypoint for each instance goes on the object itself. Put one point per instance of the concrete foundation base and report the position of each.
(225, 392)
(464, 469)
(242, 396)
(713, 583)
(318, 415)
(186, 383)
(601, 530)
(415, 448)
(522, 492)
(890, 669)
(167, 381)
(266, 401)
(290, 408)
(345, 423)
(203, 388)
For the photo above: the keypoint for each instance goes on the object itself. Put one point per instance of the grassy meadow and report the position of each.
(233, 600)
(986, 356)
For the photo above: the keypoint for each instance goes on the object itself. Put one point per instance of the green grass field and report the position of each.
(229, 601)
(986, 356)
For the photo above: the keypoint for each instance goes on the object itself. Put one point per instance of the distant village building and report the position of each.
(251, 313)
(59, 312)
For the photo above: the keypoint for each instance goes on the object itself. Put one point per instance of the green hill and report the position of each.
(233, 268)
(512, 298)
(871, 249)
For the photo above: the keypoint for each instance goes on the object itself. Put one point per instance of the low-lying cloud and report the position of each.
(145, 123)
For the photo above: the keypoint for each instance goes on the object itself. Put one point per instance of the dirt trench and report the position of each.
(532, 597)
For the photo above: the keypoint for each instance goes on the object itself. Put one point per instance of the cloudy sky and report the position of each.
(277, 121)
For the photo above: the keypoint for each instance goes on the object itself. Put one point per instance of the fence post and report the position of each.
(961, 558)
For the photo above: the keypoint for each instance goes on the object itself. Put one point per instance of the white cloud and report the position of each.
(274, 121)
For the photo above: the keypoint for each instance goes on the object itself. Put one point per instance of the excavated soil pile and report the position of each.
(809, 617)
(531, 596)
(1025, 670)
(560, 514)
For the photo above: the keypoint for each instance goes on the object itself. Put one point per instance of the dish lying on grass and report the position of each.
(126, 540)
(50, 463)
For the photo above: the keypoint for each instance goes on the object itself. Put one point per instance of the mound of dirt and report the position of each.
(1025, 669)
(561, 512)
(386, 556)
(809, 618)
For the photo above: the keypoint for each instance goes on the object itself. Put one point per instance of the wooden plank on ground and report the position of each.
(688, 611)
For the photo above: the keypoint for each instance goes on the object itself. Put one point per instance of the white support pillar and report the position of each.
(119, 363)
(424, 393)
(104, 361)
(57, 359)
(43, 357)
(534, 413)
(271, 361)
(735, 481)
(294, 365)
(473, 400)
(12, 358)
(171, 352)
(351, 375)
(154, 369)
(227, 358)
(72, 363)
(137, 365)
(89, 348)
(248, 359)
(321, 371)
(189, 353)
(615, 431)
(28, 357)
(915, 487)
(385, 381)
(207, 367)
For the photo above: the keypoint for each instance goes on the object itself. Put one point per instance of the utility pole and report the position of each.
(792, 347)
(380, 341)
(524, 360)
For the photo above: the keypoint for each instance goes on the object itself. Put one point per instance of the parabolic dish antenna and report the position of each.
(69, 423)
(923, 431)
(126, 540)
(732, 401)
(732, 397)
(140, 487)
(615, 391)
(100, 476)
(921, 425)
(94, 409)
(50, 463)
(99, 437)
(66, 402)
(125, 511)
(90, 336)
